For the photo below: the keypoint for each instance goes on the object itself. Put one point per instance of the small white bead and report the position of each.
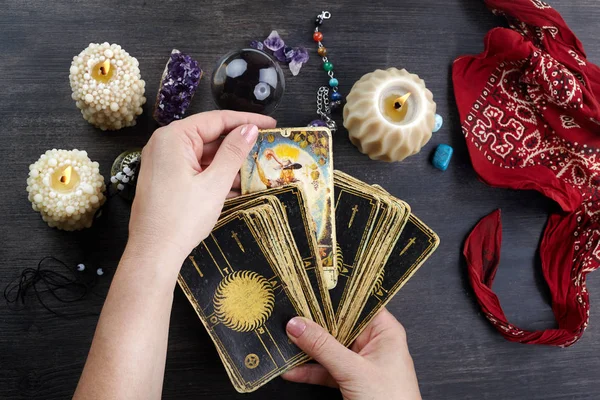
(125, 179)
(119, 175)
(38, 198)
(108, 53)
(89, 98)
(120, 186)
(100, 272)
(113, 179)
(114, 106)
(127, 170)
(80, 267)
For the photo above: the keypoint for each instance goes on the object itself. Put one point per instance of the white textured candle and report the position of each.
(107, 86)
(66, 187)
(389, 114)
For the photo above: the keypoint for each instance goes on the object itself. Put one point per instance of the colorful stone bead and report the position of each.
(322, 51)
(439, 121)
(327, 66)
(336, 96)
(442, 156)
(317, 36)
(333, 82)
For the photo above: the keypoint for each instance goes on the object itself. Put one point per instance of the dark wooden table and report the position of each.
(457, 354)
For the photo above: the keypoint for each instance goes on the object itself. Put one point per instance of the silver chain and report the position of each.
(323, 109)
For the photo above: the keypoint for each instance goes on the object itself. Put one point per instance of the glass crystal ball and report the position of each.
(248, 80)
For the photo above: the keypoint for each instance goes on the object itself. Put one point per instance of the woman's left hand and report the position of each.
(188, 169)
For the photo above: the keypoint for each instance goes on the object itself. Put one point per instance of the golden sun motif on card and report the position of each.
(244, 300)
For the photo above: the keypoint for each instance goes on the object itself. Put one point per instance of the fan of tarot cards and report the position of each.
(303, 240)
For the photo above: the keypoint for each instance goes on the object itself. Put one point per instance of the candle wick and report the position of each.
(102, 71)
(400, 101)
(66, 176)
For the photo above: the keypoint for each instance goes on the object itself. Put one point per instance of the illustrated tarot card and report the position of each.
(288, 155)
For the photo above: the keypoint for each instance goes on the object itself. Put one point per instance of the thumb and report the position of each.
(324, 348)
(231, 154)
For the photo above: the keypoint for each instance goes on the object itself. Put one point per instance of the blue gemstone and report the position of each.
(442, 156)
(333, 82)
(439, 121)
(335, 96)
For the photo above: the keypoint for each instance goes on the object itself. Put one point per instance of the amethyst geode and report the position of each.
(179, 82)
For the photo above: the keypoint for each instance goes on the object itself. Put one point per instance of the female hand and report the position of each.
(378, 366)
(187, 171)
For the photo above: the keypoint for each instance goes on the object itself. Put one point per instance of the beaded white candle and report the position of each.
(389, 114)
(66, 188)
(107, 86)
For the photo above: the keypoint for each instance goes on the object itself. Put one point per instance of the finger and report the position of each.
(212, 124)
(230, 156)
(233, 193)
(320, 345)
(313, 374)
(209, 151)
(383, 324)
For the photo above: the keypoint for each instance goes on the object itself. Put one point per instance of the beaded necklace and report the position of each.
(325, 102)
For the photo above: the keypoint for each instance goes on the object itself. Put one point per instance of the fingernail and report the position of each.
(296, 327)
(250, 133)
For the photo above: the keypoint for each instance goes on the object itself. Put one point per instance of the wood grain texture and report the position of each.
(457, 354)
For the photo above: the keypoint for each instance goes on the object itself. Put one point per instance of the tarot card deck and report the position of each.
(262, 265)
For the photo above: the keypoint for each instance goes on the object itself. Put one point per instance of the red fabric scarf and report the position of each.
(530, 112)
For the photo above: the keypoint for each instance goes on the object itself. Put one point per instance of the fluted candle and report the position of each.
(389, 114)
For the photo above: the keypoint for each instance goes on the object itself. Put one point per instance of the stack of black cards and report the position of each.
(267, 261)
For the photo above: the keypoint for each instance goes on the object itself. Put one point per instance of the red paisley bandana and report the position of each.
(530, 112)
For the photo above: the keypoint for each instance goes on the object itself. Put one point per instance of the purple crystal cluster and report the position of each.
(295, 57)
(177, 87)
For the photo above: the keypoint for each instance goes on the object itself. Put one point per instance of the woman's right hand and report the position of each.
(378, 365)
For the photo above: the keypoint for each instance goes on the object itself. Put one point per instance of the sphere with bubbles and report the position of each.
(248, 80)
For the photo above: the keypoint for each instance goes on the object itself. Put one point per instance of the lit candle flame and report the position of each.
(400, 101)
(65, 178)
(103, 71)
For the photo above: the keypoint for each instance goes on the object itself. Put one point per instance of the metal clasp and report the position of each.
(331, 125)
(325, 14)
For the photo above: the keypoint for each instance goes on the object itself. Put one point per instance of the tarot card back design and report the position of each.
(243, 302)
(416, 243)
(294, 203)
